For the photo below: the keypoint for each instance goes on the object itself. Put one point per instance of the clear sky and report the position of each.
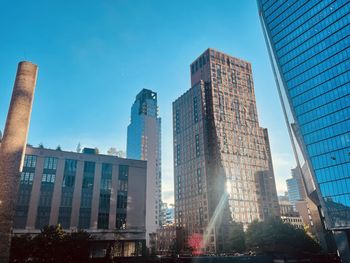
(94, 56)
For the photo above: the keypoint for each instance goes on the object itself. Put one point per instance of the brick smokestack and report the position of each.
(12, 150)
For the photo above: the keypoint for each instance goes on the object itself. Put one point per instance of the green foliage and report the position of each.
(51, 245)
(236, 238)
(274, 236)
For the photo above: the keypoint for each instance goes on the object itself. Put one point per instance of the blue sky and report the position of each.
(94, 56)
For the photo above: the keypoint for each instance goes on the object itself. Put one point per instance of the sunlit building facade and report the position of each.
(144, 143)
(309, 46)
(222, 159)
(101, 194)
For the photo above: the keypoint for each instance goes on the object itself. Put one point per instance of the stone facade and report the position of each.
(104, 195)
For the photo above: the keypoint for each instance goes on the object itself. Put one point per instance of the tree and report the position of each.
(236, 238)
(21, 248)
(112, 151)
(48, 246)
(79, 148)
(41, 145)
(58, 148)
(274, 236)
(53, 244)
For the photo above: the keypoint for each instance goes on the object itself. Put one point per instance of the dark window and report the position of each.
(103, 220)
(122, 199)
(123, 172)
(120, 221)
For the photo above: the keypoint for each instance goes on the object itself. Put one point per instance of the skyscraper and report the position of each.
(309, 46)
(222, 161)
(295, 187)
(144, 143)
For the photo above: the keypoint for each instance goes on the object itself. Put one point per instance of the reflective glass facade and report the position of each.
(144, 143)
(309, 44)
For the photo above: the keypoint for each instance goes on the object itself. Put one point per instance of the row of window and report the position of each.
(308, 73)
(335, 42)
(326, 121)
(322, 99)
(323, 60)
(329, 145)
(323, 77)
(339, 187)
(333, 172)
(322, 89)
(295, 26)
(318, 31)
(330, 131)
(315, 37)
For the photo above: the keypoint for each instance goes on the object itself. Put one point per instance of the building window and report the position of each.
(122, 200)
(106, 177)
(64, 217)
(195, 109)
(177, 121)
(29, 161)
(120, 222)
(178, 155)
(88, 177)
(70, 169)
(84, 218)
(27, 178)
(197, 146)
(123, 172)
(48, 178)
(50, 163)
(43, 217)
(103, 220)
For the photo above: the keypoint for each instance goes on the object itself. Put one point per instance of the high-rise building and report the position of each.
(309, 47)
(222, 160)
(144, 143)
(102, 194)
(295, 187)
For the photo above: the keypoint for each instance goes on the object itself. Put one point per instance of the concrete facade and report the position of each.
(104, 195)
(13, 147)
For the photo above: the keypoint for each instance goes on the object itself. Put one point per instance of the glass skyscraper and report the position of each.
(309, 45)
(144, 143)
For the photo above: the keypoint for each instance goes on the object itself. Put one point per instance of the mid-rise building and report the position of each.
(309, 47)
(222, 160)
(104, 195)
(144, 143)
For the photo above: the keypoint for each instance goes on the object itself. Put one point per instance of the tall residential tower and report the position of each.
(222, 159)
(309, 46)
(144, 143)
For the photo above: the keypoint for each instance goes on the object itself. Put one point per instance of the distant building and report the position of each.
(286, 208)
(170, 240)
(167, 214)
(144, 143)
(295, 186)
(295, 221)
(222, 159)
(104, 195)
